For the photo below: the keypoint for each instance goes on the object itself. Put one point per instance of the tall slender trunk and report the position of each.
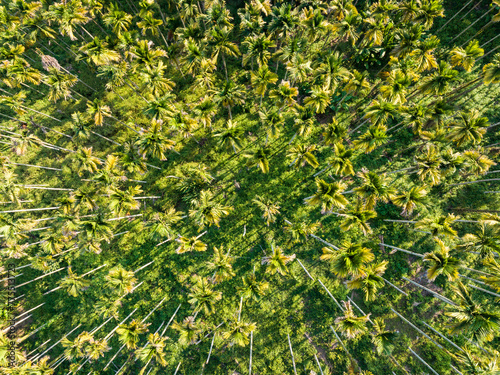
(403, 250)
(421, 360)
(291, 352)
(456, 14)
(107, 139)
(472, 24)
(394, 286)
(475, 182)
(225, 67)
(437, 295)
(417, 329)
(360, 125)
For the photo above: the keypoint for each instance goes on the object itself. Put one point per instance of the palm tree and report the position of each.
(59, 84)
(251, 21)
(379, 111)
(220, 41)
(13, 230)
(319, 99)
(358, 218)
(183, 124)
(207, 212)
(272, 120)
(428, 11)
(347, 28)
(131, 160)
(302, 155)
(374, 137)
(283, 21)
(277, 261)
(259, 157)
(476, 162)
(471, 317)
(9, 189)
(491, 71)
(374, 187)
(300, 68)
(358, 83)
(334, 132)
(152, 142)
(349, 324)
(284, 94)
(494, 269)
(69, 16)
(162, 224)
(149, 23)
(304, 122)
(20, 73)
(76, 348)
(415, 117)
(117, 19)
(96, 348)
(190, 244)
(195, 56)
(438, 82)
(423, 54)
(99, 110)
(155, 82)
(217, 14)
(81, 127)
(239, 332)
(484, 241)
(330, 72)
(144, 54)
(439, 225)
(253, 289)
(53, 242)
(370, 280)
(301, 229)
(154, 350)
(476, 364)
(269, 208)
(466, 57)
(374, 35)
(221, 265)
(396, 85)
(442, 263)
(382, 338)
(188, 331)
(203, 297)
(261, 79)
(205, 111)
(314, 23)
(469, 128)
(428, 164)
(84, 197)
(111, 174)
(410, 199)
(128, 334)
(329, 195)
(86, 161)
(230, 136)
(97, 52)
(229, 95)
(120, 280)
(73, 284)
(257, 48)
(160, 108)
(349, 259)
(123, 201)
